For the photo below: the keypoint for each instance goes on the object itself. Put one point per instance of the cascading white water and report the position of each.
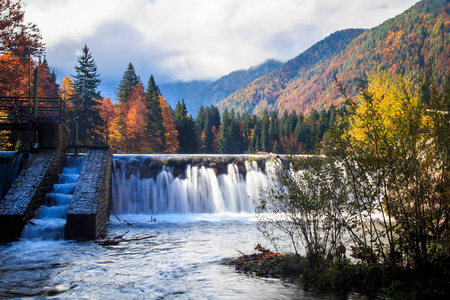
(11, 163)
(50, 218)
(200, 190)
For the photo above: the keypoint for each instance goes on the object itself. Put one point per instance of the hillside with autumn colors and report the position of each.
(205, 93)
(403, 45)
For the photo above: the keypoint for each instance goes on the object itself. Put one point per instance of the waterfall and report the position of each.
(11, 163)
(199, 188)
(50, 218)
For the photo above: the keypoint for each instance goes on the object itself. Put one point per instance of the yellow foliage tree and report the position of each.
(115, 136)
(395, 149)
(381, 108)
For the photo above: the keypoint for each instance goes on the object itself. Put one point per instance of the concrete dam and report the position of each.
(43, 202)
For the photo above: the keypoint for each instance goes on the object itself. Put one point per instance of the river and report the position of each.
(184, 261)
(200, 220)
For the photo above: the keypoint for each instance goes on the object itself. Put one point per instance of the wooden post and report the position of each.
(35, 134)
(29, 81)
(76, 139)
(35, 93)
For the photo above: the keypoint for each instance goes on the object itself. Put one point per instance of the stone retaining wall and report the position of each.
(28, 191)
(91, 202)
(148, 166)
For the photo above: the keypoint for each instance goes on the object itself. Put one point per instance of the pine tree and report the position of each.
(155, 127)
(126, 85)
(129, 80)
(265, 132)
(86, 101)
(225, 133)
(187, 133)
(229, 139)
(274, 131)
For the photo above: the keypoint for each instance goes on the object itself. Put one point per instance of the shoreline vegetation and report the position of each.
(372, 215)
(341, 276)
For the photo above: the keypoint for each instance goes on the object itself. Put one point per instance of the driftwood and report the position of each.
(119, 238)
(264, 254)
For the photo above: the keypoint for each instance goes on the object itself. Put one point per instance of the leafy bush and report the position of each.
(382, 190)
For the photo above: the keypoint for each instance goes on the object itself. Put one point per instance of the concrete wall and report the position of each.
(27, 193)
(91, 203)
(51, 135)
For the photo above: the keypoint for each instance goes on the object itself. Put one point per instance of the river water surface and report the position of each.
(184, 261)
(203, 219)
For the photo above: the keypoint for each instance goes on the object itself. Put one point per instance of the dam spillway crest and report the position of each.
(180, 184)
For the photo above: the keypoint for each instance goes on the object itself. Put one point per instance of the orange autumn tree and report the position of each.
(23, 39)
(14, 76)
(47, 86)
(20, 42)
(142, 122)
(107, 113)
(136, 138)
(170, 131)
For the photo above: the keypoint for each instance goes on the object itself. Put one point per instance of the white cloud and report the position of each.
(193, 39)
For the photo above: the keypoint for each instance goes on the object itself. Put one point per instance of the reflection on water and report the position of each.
(182, 262)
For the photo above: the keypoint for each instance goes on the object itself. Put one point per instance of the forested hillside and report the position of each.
(404, 44)
(264, 92)
(204, 93)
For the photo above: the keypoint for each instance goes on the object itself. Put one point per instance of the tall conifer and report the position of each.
(129, 80)
(187, 133)
(85, 100)
(155, 126)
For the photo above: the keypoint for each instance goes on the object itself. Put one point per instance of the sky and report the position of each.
(183, 40)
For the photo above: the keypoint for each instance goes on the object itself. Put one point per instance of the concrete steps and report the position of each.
(89, 208)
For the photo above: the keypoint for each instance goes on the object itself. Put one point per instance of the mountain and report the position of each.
(197, 93)
(234, 81)
(175, 91)
(264, 92)
(404, 44)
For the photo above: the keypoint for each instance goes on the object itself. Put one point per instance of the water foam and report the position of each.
(200, 190)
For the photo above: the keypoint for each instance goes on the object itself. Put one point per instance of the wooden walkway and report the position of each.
(20, 113)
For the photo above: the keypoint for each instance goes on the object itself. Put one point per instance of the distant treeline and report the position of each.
(143, 122)
(289, 133)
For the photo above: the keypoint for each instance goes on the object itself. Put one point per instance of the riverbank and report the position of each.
(342, 276)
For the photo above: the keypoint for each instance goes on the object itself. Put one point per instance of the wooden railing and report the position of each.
(20, 110)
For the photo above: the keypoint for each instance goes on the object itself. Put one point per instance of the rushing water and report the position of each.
(50, 218)
(183, 261)
(200, 190)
